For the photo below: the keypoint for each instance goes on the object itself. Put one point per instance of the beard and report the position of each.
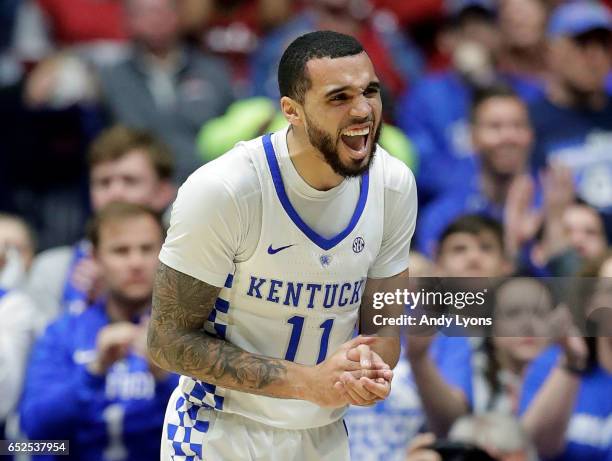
(323, 142)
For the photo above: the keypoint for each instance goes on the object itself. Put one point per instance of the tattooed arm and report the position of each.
(177, 342)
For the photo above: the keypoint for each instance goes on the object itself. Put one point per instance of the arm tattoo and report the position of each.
(177, 341)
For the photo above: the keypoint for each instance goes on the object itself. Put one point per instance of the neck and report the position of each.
(562, 95)
(604, 353)
(495, 187)
(309, 162)
(121, 310)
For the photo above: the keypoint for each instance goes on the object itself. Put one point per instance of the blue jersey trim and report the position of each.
(317, 239)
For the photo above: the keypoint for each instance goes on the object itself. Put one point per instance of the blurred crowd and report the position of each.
(500, 107)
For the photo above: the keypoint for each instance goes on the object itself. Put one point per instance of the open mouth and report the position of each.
(356, 140)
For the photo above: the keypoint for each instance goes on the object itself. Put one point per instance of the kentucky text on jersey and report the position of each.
(304, 294)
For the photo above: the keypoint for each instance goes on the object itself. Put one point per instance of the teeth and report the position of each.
(359, 132)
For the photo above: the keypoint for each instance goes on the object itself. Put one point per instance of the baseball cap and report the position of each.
(575, 18)
(456, 7)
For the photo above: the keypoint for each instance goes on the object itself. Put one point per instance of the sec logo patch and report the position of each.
(358, 245)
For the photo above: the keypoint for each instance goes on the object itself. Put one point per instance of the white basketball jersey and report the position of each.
(298, 296)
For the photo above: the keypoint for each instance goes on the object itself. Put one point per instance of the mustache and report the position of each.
(358, 121)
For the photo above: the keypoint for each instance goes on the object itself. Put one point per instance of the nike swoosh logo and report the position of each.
(273, 251)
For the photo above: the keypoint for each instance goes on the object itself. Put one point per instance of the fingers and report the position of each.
(365, 356)
(361, 354)
(356, 399)
(354, 391)
(378, 388)
(356, 341)
(377, 367)
(384, 374)
(355, 388)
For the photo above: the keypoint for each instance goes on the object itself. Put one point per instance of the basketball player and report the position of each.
(271, 249)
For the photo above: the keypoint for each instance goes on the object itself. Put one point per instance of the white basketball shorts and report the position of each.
(195, 433)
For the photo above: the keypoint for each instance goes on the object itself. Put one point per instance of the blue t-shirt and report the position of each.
(589, 433)
(383, 432)
(116, 417)
(582, 140)
(436, 216)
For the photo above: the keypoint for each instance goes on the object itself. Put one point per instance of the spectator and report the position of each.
(165, 86)
(573, 121)
(572, 232)
(19, 319)
(522, 24)
(472, 246)
(101, 392)
(397, 62)
(574, 237)
(585, 231)
(434, 113)
(125, 165)
(521, 312)
(565, 403)
(502, 139)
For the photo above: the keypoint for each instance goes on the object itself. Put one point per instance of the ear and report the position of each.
(166, 193)
(291, 109)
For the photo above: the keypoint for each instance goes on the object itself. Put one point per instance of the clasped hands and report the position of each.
(354, 375)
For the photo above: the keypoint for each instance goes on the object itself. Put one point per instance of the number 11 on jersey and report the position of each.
(297, 322)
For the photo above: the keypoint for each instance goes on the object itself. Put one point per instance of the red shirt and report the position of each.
(76, 21)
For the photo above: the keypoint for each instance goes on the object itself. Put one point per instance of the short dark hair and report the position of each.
(495, 90)
(115, 142)
(119, 211)
(293, 79)
(474, 224)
